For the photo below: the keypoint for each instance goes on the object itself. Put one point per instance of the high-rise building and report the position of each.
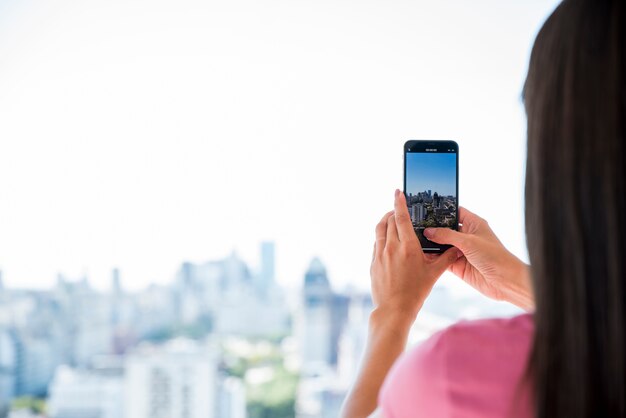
(7, 368)
(36, 361)
(418, 212)
(325, 315)
(354, 337)
(116, 297)
(94, 331)
(339, 316)
(322, 389)
(85, 393)
(177, 380)
(232, 398)
(116, 284)
(316, 338)
(266, 275)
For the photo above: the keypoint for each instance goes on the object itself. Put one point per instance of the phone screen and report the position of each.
(431, 186)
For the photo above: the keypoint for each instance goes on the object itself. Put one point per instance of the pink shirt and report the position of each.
(473, 369)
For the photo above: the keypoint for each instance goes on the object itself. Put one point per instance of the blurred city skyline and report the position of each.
(221, 340)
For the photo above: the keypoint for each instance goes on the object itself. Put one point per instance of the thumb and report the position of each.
(447, 236)
(441, 263)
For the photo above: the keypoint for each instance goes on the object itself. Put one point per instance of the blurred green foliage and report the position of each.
(35, 405)
(196, 331)
(274, 398)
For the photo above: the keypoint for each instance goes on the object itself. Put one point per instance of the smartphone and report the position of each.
(431, 187)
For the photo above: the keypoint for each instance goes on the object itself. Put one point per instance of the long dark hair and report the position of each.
(576, 212)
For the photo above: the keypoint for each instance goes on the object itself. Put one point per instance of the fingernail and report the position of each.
(428, 232)
(459, 253)
(397, 193)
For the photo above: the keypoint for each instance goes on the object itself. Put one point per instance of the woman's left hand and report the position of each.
(402, 275)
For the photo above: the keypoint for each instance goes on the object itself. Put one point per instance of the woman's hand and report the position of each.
(402, 275)
(487, 265)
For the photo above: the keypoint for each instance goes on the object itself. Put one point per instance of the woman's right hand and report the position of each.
(487, 265)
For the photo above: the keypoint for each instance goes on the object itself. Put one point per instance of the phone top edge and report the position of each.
(425, 142)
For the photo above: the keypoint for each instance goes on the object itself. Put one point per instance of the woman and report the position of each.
(568, 358)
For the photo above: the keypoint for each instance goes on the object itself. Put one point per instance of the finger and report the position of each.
(466, 215)
(392, 231)
(473, 223)
(444, 261)
(403, 220)
(448, 236)
(381, 234)
(430, 257)
(458, 267)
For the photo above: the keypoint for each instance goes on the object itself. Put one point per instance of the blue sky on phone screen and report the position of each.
(431, 171)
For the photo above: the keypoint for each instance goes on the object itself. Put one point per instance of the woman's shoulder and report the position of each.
(493, 331)
(473, 343)
(492, 350)
(519, 322)
(472, 365)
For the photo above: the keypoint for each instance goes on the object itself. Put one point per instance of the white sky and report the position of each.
(141, 133)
